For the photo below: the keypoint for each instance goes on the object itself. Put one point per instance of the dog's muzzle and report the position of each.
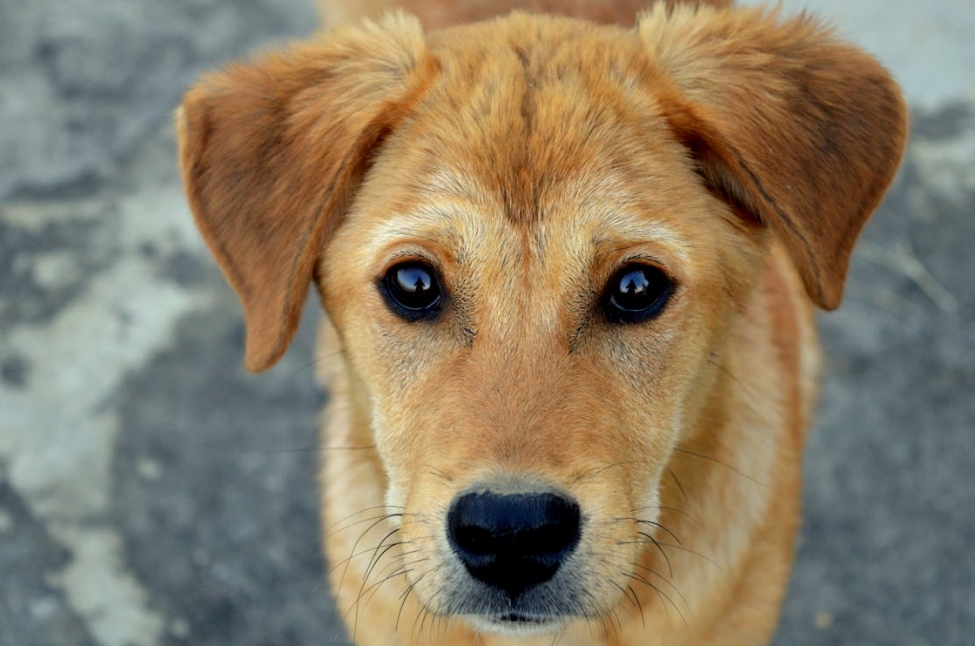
(513, 542)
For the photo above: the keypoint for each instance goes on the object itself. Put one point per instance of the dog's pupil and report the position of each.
(635, 291)
(414, 280)
(414, 288)
(635, 283)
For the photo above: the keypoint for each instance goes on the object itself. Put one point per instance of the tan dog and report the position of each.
(569, 271)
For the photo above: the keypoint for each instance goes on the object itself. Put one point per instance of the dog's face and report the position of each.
(528, 287)
(532, 237)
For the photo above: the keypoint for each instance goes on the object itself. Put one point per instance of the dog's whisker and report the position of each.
(356, 605)
(378, 555)
(335, 529)
(671, 509)
(399, 565)
(590, 619)
(404, 597)
(664, 598)
(397, 559)
(443, 621)
(373, 589)
(595, 471)
(653, 523)
(753, 398)
(349, 524)
(324, 357)
(690, 551)
(348, 561)
(647, 538)
(665, 580)
(424, 609)
(601, 626)
(636, 598)
(626, 595)
(631, 612)
(617, 627)
(370, 508)
(310, 364)
(662, 528)
(636, 577)
(421, 616)
(344, 561)
(660, 595)
(709, 458)
(404, 570)
(680, 487)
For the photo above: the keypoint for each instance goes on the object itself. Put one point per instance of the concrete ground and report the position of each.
(152, 494)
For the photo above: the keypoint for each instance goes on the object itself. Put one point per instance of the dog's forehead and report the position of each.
(540, 126)
(527, 105)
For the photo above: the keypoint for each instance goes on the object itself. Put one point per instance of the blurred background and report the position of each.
(153, 494)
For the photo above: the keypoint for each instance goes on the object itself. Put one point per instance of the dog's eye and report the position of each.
(412, 290)
(636, 293)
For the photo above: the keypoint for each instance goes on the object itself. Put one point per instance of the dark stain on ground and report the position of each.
(186, 269)
(14, 371)
(943, 123)
(27, 302)
(32, 612)
(227, 536)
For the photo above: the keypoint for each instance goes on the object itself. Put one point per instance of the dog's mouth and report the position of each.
(518, 618)
(542, 609)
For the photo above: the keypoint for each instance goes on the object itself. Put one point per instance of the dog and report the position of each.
(569, 255)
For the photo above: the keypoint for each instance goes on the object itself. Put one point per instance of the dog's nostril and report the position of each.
(513, 542)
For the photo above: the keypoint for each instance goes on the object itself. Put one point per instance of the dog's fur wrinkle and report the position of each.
(528, 158)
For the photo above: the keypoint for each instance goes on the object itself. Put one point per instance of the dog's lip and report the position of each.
(519, 618)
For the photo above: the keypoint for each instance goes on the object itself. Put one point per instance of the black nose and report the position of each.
(513, 542)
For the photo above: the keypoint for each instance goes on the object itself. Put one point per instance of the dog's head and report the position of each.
(530, 235)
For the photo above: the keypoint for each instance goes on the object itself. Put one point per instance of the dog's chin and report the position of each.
(516, 625)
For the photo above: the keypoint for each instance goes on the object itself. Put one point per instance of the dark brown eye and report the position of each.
(412, 290)
(636, 293)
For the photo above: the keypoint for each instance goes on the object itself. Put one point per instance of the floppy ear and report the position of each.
(791, 127)
(271, 152)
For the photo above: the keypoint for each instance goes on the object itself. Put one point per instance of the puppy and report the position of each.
(569, 266)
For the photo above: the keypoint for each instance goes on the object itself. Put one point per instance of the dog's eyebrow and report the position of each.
(631, 231)
(442, 224)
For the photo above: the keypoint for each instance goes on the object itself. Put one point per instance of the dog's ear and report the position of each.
(271, 152)
(794, 129)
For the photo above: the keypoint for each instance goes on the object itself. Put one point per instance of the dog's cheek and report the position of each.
(408, 393)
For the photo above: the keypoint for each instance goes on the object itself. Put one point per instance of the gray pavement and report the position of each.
(153, 494)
